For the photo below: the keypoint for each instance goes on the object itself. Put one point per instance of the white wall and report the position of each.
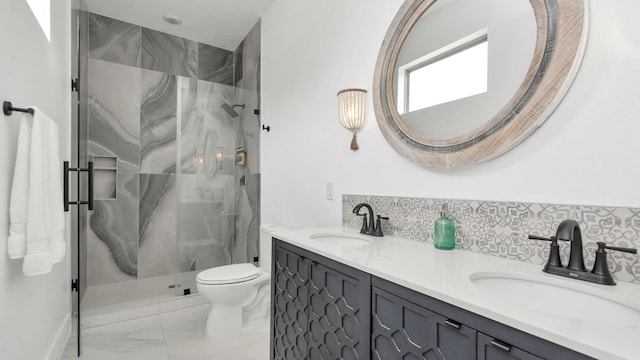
(587, 152)
(34, 311)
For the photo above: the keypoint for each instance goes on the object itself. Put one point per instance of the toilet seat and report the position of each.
(228, 274)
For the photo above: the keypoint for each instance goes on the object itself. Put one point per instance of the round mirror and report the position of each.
(463, 81)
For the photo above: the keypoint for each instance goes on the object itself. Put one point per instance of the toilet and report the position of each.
(230, 287)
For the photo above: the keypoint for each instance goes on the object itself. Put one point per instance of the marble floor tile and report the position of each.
(134, 339)
(176, 335)
(199, 348)
(185, 324)
(257, 351)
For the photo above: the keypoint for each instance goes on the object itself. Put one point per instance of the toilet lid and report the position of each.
(228, 274)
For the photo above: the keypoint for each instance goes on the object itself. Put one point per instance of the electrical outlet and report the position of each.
(329, 190)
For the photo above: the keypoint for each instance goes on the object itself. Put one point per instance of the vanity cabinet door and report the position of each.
(339, 312)
(402, 330)
(321, 309)
(492, 349)
(290, 305)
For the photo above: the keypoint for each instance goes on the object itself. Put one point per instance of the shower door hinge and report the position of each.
(75, 285)
(74, 85)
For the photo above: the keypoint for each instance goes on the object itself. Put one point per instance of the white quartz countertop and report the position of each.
(447, 275)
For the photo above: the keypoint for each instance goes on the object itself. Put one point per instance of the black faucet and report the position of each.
(569, 230)
(368, 226)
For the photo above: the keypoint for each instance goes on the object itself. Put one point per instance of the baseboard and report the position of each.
(62, 337)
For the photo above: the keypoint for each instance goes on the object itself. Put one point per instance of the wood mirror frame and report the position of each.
(560, 43)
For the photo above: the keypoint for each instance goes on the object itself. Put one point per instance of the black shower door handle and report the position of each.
(66, 170)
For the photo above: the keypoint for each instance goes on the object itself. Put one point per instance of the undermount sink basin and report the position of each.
(586, 304)
(341, 238)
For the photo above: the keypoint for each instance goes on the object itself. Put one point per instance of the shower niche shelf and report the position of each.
(105, 177)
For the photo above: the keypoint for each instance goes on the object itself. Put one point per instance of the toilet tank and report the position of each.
(265, 244)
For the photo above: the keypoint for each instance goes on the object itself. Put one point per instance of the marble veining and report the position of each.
(237, 63)
(216, 128)
(189, 122)
(158, 225)
(250, 59)
(114, 113)
(176, 335)
(247, 220)
(114, 223)
(501, 228)
(153, 188)
(248, 130)
(169, 54)
(113, 40)
(206, 221)
(215, 64)
(201, 226)
(158, 123)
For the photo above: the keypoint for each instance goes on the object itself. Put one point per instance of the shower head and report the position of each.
(229, 109)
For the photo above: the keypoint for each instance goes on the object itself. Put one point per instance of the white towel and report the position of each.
(17, 242)
(44, 226)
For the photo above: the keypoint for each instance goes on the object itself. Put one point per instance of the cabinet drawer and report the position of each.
(493, 349)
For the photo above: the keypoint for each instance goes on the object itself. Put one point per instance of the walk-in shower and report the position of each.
(152, 111)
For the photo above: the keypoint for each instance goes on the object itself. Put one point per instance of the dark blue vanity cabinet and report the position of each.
(323, 309)
(289, 305)
(320, 308)
(403, 330)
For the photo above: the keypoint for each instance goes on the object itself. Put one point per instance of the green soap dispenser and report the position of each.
(444, 232)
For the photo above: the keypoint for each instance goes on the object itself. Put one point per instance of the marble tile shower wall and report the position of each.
(247, 133)
(501, 228)
(171, 192)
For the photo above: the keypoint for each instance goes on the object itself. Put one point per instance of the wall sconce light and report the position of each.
(219, 156)
(198, 161)
(352, 105)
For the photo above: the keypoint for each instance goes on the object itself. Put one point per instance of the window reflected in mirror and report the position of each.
(453, 72)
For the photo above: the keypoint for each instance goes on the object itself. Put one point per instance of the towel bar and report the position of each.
(8, 109)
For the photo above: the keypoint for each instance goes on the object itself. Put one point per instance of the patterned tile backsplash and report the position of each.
(502, 228)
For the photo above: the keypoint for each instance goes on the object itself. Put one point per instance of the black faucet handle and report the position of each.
(601, 267)
(602, 246)
(552, 239)
(365, 224)
(378, 229)
(554, 253)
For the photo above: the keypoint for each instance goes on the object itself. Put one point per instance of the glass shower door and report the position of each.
(206, 232)
(78, 181)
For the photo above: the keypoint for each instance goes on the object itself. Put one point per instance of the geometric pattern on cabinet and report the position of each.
(336, 316)
(321, 308)
(501, 343)
(402, 330)
(290, 305)
(490, 351)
